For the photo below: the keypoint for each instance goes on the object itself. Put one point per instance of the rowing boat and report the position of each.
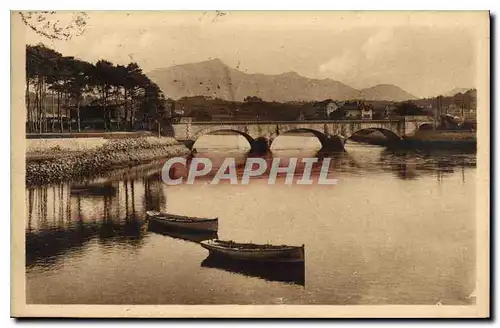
(254, 252)
(184, 222)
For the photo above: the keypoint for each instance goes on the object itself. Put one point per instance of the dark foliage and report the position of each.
(65, 93)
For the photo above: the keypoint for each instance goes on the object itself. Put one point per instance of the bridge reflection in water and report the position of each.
(359, 159)
(64, 218)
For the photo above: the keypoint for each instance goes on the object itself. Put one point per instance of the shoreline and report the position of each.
(55, 162)
(441, 140)
(425, 140)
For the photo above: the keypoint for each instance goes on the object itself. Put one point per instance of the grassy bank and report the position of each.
(57, 160)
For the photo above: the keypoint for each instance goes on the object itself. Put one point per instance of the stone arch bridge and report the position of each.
(330, 133)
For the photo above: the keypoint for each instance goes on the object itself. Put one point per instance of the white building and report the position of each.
(366, 113)
(331, 107)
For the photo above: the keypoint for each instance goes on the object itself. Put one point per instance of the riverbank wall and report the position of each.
(424, 140)
(56, 160)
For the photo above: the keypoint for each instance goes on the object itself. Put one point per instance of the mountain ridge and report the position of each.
(216, 79)
(455, 91)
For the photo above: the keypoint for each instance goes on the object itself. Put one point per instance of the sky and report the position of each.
(425, 54)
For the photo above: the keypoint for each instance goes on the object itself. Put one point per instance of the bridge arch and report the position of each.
(318, 134)
(212, 129)
(389, 134)
(425, 126)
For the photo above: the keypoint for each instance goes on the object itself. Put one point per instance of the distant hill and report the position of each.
(386, 92)
(215, 79)
(455, 91)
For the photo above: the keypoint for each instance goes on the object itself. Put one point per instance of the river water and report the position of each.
(397, 228)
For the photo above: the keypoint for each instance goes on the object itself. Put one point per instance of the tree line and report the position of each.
(61, 89)
(467, 100)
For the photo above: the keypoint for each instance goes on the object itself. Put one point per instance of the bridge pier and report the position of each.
(189, 144)
(332, 143)
(260, 146)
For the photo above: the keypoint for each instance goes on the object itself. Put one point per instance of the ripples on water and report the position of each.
(398, 228)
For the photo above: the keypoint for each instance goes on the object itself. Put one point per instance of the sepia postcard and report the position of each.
(250, 164)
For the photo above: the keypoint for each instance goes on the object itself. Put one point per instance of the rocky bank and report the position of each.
(56, 163)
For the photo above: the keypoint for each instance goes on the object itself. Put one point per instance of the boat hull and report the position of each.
(211, 225)
(290, 254)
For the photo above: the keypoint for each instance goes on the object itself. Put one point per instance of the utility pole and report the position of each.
(436, 112)
(462, 105)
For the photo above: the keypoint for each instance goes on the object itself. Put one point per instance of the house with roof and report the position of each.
(352, 109)
(324, 109)
(331, 107)
(366, 113)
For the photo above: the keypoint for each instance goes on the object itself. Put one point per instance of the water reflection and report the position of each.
(89, 189)
(359, 160)
(57, 223)
(154, 195)
(293, 273)
(411, 165)
(193, 236)
(358, 254)
(64, 218)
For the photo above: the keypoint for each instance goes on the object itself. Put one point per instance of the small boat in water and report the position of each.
(254, 252)
(184, 222)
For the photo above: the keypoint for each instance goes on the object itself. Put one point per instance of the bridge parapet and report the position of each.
(269, 130)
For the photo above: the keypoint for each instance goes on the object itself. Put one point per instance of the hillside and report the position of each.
(385, 92)
(215, 79)
(456, 91)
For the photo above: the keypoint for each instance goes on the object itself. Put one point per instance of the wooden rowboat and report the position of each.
(184, 222)
(254, 252)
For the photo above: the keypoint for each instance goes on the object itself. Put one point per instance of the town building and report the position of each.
(351, 110)
(366, 113)
(330, 108)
